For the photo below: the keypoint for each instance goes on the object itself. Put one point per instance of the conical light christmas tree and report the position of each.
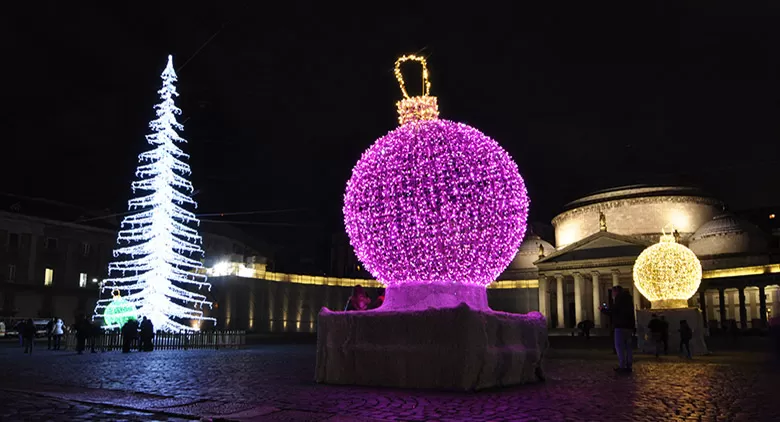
(158, 241)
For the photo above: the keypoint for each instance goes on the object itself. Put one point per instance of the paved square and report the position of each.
(274, 382)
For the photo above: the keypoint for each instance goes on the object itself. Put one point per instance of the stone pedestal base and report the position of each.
(673, 317)
(450, 349)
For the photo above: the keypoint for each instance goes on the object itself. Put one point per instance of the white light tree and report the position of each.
(155, 239)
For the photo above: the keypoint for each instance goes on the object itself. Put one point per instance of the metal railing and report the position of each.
(112, 340)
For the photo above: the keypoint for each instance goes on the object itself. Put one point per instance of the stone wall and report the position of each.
(240, 303)
(269, 306)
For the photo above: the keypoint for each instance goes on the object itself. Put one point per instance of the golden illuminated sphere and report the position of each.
(667, 274)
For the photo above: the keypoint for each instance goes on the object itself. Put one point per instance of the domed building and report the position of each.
(598, 238)
(531, 250)
(517, 287)
(726, 235)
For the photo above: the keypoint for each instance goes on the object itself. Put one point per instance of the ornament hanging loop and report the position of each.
(400, 77)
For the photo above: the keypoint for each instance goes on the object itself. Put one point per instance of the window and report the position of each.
(11, 272)
(82, 279)
(13, 241)
(85, 247)
(50, 243)
(48, 277)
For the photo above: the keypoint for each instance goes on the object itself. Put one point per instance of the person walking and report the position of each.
(83, 332)
(147, 335)
(95, 334)
(28, 335)
(129, 334)
(686, 334)
(665, 334)
(57, 332)
(49, 333)
(19, 327)
(623, 321)
(656, 327)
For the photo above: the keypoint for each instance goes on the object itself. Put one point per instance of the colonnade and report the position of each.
(590, 290)
(748, 306)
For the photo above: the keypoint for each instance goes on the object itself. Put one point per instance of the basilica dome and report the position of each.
(727, 234)
(528, 252)
(639, 211)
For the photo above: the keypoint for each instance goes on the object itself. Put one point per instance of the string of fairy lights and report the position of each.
(420, 107)
(158, 237)
(434, 201)
(667, 273)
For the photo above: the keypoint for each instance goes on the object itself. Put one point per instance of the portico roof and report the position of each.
(598, 246)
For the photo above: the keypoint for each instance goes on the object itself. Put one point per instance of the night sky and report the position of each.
(280, 101)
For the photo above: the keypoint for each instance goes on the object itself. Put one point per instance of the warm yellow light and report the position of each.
(771, 216)
(667, 274)
(421, 107)
(742, 271)
(244, 271)
(221, 269)
(515, 284)
(48, 277)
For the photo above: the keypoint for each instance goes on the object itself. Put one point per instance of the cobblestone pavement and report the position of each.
(19, 406)
(275, 383)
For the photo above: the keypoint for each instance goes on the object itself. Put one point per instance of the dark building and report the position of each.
(53, 255)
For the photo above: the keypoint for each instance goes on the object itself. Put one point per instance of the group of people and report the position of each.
(659, 332)
(27, 331)
(55, 329)
(623, 320)
(88, 334)
(360, 301)
(132, 331)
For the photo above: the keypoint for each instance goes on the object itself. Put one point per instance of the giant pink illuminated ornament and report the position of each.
(435, 209)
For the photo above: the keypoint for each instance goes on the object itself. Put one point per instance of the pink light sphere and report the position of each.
(435, 202)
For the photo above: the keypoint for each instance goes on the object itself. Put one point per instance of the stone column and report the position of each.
(742, 310)
(596, 299)
(544, 298)
(578, 282)
(711, 306)
(559, 291)
(31, 274)
(703, 304)
(754, 305)
(637, 297)
(762, 305)
(775, 302)
(615, 278)
(722, 303)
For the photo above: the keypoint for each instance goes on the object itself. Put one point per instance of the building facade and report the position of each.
(53, 256)
(600, 236)
(52, 266)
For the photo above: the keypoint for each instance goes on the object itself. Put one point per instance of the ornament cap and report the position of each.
(420, 107)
